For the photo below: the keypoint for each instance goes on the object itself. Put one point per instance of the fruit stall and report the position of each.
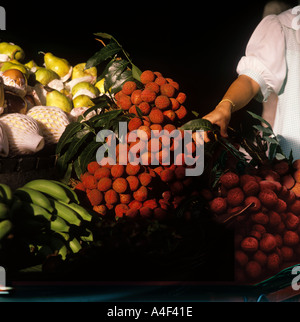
(72, 210)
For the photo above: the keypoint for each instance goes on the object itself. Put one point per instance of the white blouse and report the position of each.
(272, 59)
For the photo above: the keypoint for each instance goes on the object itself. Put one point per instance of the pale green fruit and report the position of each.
(12, 50)
(100, 86)
(55, 98)
(85, 88)
(59, 65)
(80, 71)
(82, 101)
(13, 65)
(31, 64)
(45, 75)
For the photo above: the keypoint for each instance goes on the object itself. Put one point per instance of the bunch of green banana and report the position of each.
(6, 224)
(49, 215)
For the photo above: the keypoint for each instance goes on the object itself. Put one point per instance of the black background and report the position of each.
(196, 43)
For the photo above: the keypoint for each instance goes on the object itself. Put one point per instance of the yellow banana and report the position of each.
(66, 213)
(82, 212)
(5, 228)
(49, 188)
(70, 192)
(6, 195)
(4, 211)
(35, 197)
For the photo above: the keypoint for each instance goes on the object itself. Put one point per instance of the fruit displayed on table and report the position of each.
(45, 215)
(53, 89)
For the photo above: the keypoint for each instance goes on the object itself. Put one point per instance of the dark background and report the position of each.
(196, 43)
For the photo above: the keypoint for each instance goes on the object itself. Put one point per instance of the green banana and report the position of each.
(66, 213)
(58, 245)
(35, 197)
(4, 211)
(72, 242)
(88, 237)
(59, 225)
(50, 188)
(75, 246)
(5, 228)
(35, 210)
(82, 212)
(70, 192)
(44, 251)
(6, 194)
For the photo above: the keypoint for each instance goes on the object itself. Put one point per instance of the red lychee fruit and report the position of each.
(136, 98)
(251, 188)
(120, 210)
(141, 194)
(268, 198)
(148, 96)
(92, 167)
(229, 180)
(111, 197)
(235, 196)
(101, 173)
(290, 238)
(162, 102)
(268, 243)
(147, 77)
(167, 90)
(120, 185)
(104, 184)
(90, 182)
(218, 205)
(129, 87)
(134, 124)
(156, 116)
(95, 197)
(249, 244)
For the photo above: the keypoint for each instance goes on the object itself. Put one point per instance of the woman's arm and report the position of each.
(239, 94)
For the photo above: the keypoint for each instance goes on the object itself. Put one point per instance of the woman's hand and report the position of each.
(220, 116)
(239, 94)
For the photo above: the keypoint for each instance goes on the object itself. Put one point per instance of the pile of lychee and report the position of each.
(144, 189)
(265, 208)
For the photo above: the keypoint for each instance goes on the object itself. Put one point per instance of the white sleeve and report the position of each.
(265, 57)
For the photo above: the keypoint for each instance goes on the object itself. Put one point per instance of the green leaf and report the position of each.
(114, 71)
(136, 72)
(257, 117)
(104, 35)
(271, 140)
(79, 139)
(85, 157)
(280, 156)
(263, 129)
(106, 52)
(123, 77)
(105, 119)
(95, 108)
(198, 124)
(65, 138)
